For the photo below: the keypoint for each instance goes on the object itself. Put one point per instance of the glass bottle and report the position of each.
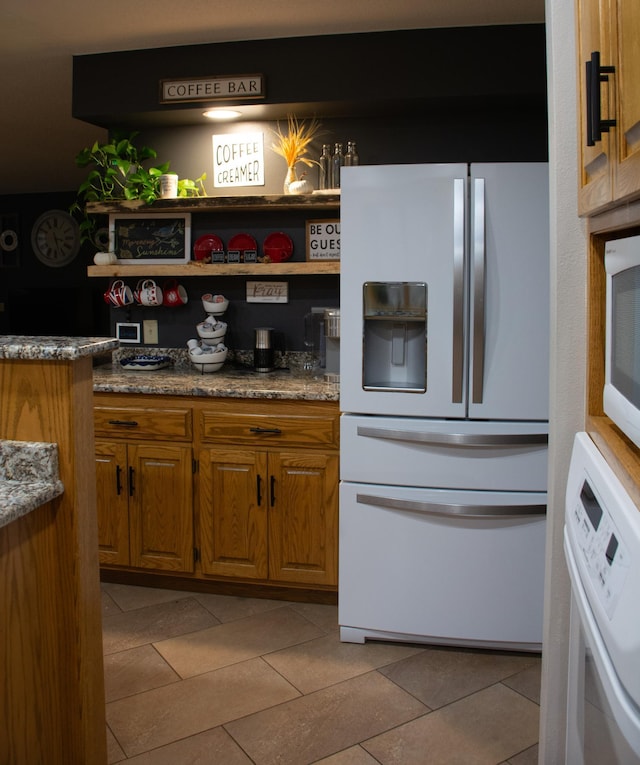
(337, 161)
(351, 158)
(324, 170)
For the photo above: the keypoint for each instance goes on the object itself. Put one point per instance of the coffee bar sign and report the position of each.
(239, 86)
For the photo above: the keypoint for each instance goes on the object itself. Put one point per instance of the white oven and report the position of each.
(602, 548)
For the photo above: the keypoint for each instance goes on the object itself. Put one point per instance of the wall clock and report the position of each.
(55, 238)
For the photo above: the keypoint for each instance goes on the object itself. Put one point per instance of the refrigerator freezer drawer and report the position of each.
(403, 451)
(431, 578)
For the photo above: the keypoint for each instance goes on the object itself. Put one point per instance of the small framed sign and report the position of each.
(151, 238)
(323, 239)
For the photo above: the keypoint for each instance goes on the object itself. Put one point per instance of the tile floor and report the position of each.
(200, 679)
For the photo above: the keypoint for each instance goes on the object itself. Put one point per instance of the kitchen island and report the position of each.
(226, 482)
(52, 698)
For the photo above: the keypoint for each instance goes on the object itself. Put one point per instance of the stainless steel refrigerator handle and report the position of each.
(456, 439)
(479, 273)
(451, 510)
(457, 366)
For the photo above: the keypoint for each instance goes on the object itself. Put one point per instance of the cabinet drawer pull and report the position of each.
(118, 479)
(124, 423)
(596, 75)
(266, 431)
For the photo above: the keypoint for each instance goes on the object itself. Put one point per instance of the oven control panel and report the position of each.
(604, 556)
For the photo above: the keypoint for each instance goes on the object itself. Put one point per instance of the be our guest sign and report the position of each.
(323, 239)
(238, 159)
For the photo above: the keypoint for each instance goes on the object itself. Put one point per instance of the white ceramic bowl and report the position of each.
(210, 341)
(214, 304)
(208, 332)
(210, 356)
(207, 367)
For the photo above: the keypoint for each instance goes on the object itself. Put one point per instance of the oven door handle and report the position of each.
(450, 510)
(456, 439)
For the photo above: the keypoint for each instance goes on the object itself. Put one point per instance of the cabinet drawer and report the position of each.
(277, 429)
(143, 422)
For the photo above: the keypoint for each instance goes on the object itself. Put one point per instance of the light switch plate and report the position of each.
(150, 331)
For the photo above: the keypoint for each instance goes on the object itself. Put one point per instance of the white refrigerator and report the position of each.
(444, 398)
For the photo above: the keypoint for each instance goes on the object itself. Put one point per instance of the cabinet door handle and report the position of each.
(124, 423)
(266, 431)
(596, 75)
(131, 486)
(272, 491)
(118, 480)
(258, 490)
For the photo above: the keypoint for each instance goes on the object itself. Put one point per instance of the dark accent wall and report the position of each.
(441, 95)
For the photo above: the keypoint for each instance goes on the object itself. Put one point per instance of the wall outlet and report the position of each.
(150, 332)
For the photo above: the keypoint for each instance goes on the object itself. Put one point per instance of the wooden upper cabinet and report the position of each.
(609, 171)
(594, 162)
(627, 165)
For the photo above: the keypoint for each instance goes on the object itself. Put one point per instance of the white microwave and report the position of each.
(621, 397)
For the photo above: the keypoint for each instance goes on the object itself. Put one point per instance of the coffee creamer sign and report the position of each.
(238, 159)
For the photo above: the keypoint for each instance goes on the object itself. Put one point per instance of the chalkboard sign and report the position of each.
(150, 238)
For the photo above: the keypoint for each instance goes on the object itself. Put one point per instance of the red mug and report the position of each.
(118, 294)
(174, 294)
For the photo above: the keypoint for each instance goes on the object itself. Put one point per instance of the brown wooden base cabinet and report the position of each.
(259, 504)
(269, 515)
(145, 501)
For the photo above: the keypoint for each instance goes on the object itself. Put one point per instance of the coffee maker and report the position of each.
(322, 338)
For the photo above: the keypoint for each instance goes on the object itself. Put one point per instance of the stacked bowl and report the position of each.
(208, 353)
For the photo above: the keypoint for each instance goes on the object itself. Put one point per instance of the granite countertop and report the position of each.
(230, 382)
(49, 348)
(29, 477)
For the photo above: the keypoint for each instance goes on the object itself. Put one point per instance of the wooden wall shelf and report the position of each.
(266, 203)
(195, 268)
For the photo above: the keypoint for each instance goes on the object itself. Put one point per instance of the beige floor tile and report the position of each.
(527, 682)
(213, 747)
(136, 670)
(109, 606)
(326, 617)
(228, 608)
(144, 625)
(114, 750)
(485, 728)
(355, 755)
(324, 723)
(528, 757)
(326, 661)
(236, 641)
(439, 676)
(129, 597)
(164, 715)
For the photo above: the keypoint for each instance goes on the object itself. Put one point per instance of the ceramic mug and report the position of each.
(174, 294)
(168, 186)
(118, 294)
(150, 293)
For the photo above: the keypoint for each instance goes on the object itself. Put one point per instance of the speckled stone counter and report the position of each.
(232, 381)
(28, 477)
(46, 348)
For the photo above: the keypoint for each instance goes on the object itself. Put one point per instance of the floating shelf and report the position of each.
(194, 268)
(221, 204)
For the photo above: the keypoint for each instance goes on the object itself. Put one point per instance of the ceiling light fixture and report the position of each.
(221, 114)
